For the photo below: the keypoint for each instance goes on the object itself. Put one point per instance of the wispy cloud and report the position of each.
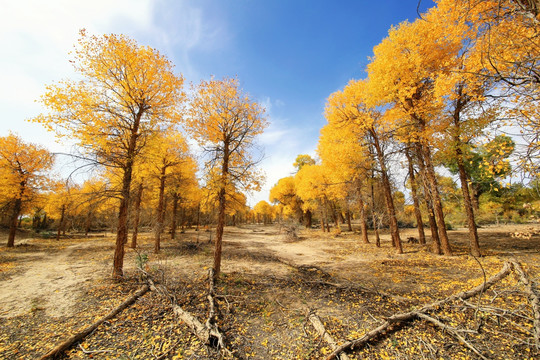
(183, 28)
(36, 37)
(282, 144)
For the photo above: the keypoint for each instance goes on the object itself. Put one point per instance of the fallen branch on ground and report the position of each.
(207, 333)
(319, 326)
(88, 330)
(453, 332)
(215, 334)
(400, 318)
(534, 299)
(92, 351)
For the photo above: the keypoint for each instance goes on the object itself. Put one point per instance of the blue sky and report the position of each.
(288, 55)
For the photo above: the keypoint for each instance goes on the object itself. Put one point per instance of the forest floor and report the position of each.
(269, 287)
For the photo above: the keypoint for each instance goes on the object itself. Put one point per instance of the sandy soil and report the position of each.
(52, 280)
(48, 288)
(48, 282)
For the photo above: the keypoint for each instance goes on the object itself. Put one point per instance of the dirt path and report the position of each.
(268, 283)
(49, 283)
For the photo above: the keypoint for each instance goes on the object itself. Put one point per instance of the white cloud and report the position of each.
(280, 103)
(273, 136)
(182, 28)
(36, 37)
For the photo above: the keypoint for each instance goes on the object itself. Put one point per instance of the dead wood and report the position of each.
(197, 328)
(400, 318)
(452, 331)
(88, 330)
(319, 326)
(93, 351)
(215, 337)
(534, 299)
(208, 333)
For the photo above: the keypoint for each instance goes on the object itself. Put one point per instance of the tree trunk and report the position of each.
(61, 222)
(473, 232)
(435, 242)
(474, 197)
(198, 217)
(414, 193)
(326, 216)
(460, 102)
(374, 216)
(182, 218)
(323, 228)
(437, 204)
(160, 212)
(13, 222)
(308, 219)
(35, 221)
(219, 232)
(349, 226)
(363, 220)
(122, 231)
(221, 211)
(88, 222)
(17, 207)
(337, 218)
(44, 222)
(387, 189)
(137, 216)
(174, 215)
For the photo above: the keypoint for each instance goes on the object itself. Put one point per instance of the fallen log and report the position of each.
(208, 333)
(88, 330)
(411, 315)
(215, 337)
(319, 326)
(197, 328)
(534, 299)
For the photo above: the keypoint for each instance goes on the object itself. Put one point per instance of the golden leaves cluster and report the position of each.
(124, 89)
(23, 168)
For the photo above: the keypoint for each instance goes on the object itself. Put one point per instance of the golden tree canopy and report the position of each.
(23, 168)
(226, 122)
(126, 90)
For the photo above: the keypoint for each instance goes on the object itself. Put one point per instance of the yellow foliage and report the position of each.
(127, 93)
(226, 122)
(23, 169)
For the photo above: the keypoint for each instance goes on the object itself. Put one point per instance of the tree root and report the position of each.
(88, 330)
(400, 318)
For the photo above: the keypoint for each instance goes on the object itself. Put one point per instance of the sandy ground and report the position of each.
(52, 281)
(48, 282)
(50, 288)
